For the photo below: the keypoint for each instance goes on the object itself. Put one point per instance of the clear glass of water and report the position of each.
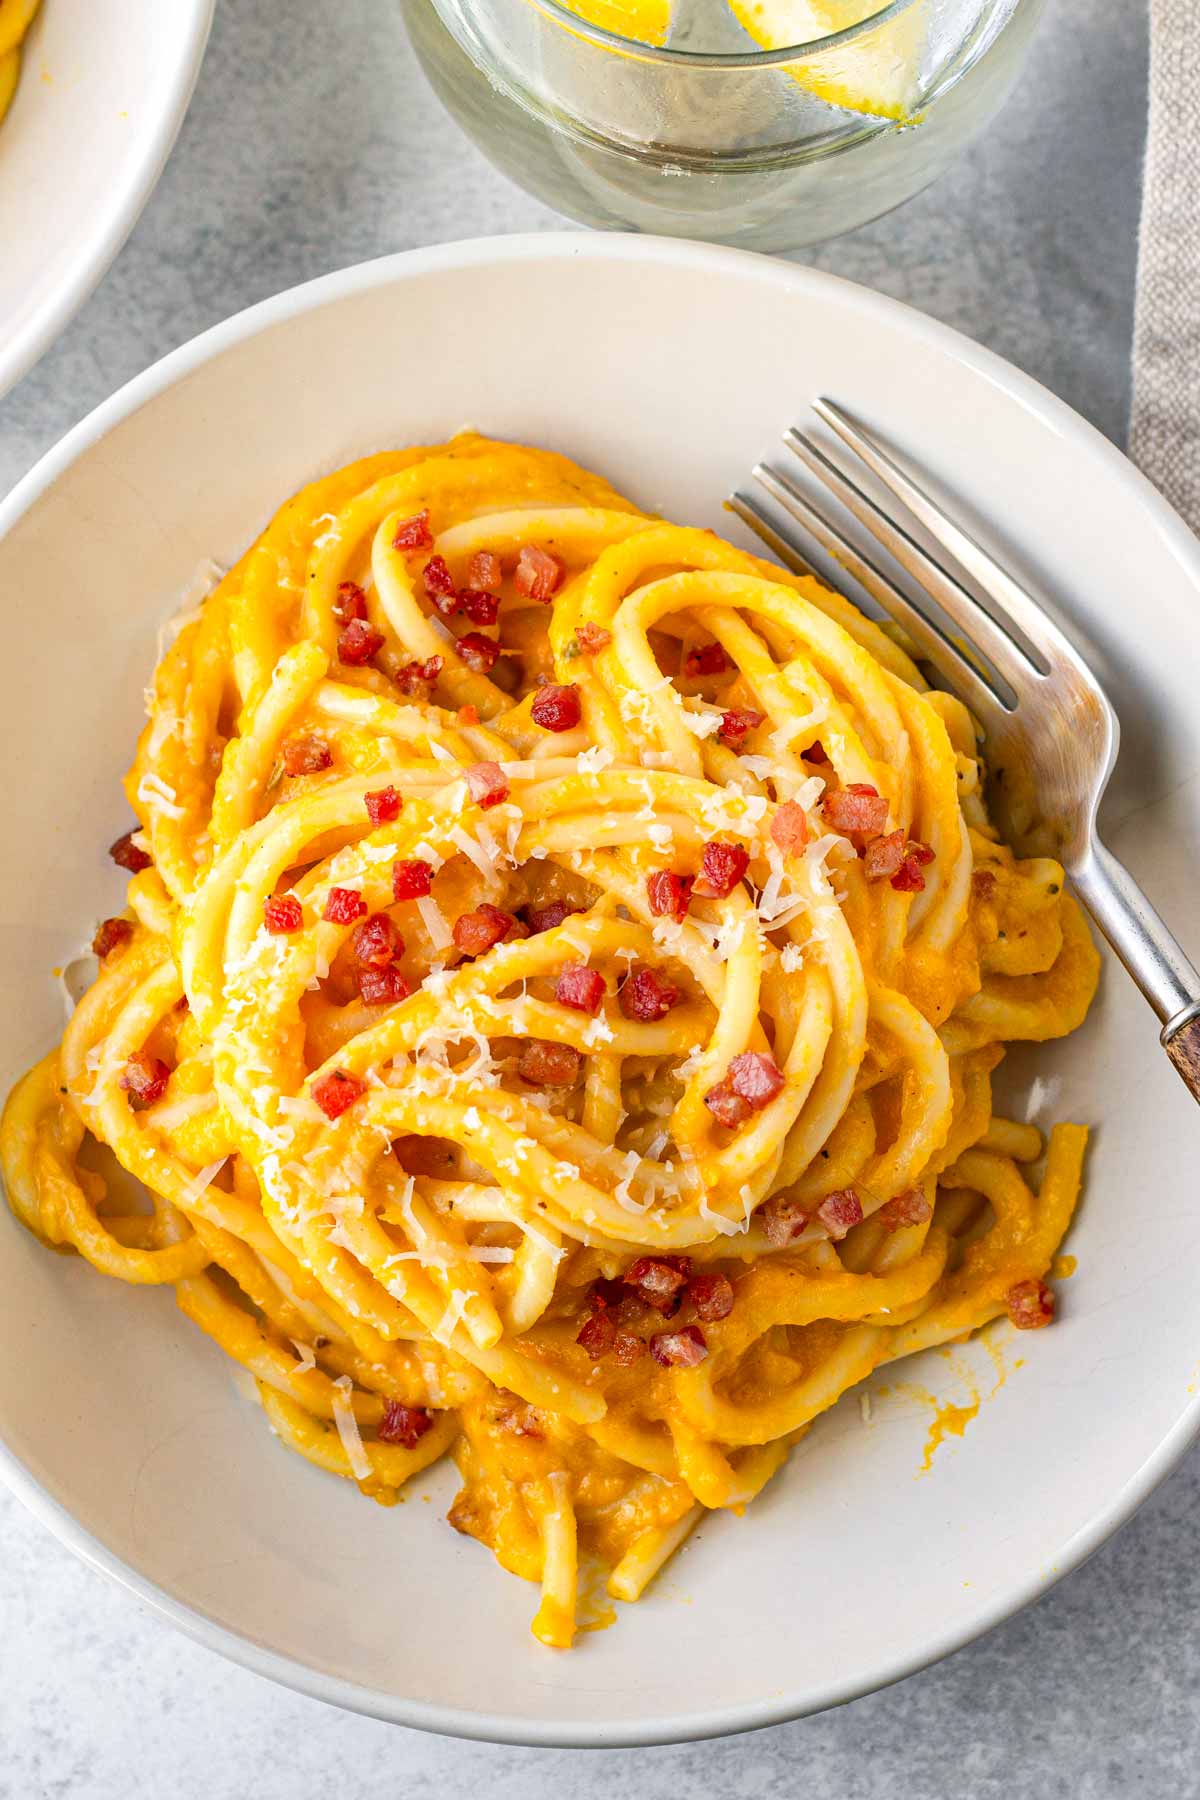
(710, 136)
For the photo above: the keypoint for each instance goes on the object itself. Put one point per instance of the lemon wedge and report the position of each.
(645, 21)
(877, 73)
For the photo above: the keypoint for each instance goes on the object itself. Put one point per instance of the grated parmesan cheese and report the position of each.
(701, 724)
(434, 921)
(622, 1193)
(347, 1429)
(152, 790)
(590, 762)
(471, 848)
(200, 1183)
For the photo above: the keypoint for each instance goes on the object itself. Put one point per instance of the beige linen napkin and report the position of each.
(1164, 438)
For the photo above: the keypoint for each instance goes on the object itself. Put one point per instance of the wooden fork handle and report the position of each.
(1182, 1044)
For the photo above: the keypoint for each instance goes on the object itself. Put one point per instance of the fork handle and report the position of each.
(1170, 982)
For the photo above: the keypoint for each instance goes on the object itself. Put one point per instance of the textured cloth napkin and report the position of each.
(1164, 437)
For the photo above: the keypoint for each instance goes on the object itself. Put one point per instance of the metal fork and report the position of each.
(1051, 733)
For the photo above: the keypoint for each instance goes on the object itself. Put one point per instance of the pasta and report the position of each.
(16, 16)
(554, 1016)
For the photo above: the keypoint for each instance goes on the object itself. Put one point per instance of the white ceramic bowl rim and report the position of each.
(1051, 412)
(98, 248)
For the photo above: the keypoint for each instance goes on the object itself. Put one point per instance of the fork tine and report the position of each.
(1022, 609)
(986, 699)
(979, 629)
(751, 514)
(984, 634)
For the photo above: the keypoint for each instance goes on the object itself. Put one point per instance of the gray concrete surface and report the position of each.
(312, 142)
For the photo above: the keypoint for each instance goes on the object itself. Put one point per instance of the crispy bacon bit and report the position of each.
(581, 988)
(477, 932)
(782, 1220)
(383, 805)
(705, 659)
(839, 1212)
(908, 878)
(480, 607)
(344, 905)
(983, 883)
(627, 1347)
(411, 878)
(382, 987)
(1030, 1305)
(598, 1334)
(402, 1424)
(538, 574)
(592, 638)
(755, 1078)
(909, 1208)
(679, 1349)
(544, 1064)
(546, 918)
(110, 933)
(438, 581)
(358, 642)
(484, 573)
(337, 1091)
(721, 868)
(557, 708)
(306, 756)
(376, 942)
(417, 679)
(349, 603)
(646, 996)
(414, 533)
(658, 1280)
(815, 753)
(857, 808)
(669, 895)
(789, 828)
(145, 1077)
(883, 856)
(488, 784)
(126, 854)
(478, 652)
(283, 913)
(605, 1292)
(726, 1107)
(736, 723)
(711, 1295)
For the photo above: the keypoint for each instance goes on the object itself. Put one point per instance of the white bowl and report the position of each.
(671, 367)
(103, 90)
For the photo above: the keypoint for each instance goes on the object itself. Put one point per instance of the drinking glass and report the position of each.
(708, 135)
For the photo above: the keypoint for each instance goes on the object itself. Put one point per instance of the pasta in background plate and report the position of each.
(554, 1017)
(16, 16)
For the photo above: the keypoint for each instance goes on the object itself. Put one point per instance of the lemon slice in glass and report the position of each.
(645, 21)
(876, 73)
